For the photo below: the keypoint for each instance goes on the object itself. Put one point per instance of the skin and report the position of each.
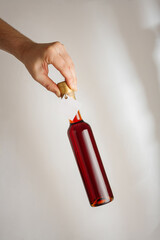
(37, 56)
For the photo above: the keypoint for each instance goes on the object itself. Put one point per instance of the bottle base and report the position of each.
(101, 201)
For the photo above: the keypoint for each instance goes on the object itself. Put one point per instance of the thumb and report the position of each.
(50, 85)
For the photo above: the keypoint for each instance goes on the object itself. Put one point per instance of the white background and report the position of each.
(115, 46)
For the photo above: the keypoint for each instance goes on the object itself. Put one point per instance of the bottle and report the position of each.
(87, 157)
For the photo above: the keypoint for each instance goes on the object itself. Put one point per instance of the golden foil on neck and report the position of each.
(65, 90)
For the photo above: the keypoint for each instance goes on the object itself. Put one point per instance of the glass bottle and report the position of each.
(87, 157)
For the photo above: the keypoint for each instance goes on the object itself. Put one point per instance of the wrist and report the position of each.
(24, 48)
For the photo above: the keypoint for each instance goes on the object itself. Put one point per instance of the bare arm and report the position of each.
(36, 57)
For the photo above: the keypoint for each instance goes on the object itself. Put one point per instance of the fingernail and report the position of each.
(58, 93)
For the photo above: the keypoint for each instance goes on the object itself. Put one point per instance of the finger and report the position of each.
(49, 85)
(71, 66)
(60, 64)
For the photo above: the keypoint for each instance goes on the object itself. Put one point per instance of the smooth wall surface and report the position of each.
(115, 46)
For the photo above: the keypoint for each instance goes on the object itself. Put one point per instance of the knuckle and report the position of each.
(71, 65)
(58, 44)
(55, 48)
(67, 72)
(64, 67)
(69, 78)
(50, 49)
(47, 86)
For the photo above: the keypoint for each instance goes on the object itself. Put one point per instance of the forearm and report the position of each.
(13, 41)
(36, 57)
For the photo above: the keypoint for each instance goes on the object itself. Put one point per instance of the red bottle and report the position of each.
(88, 158)
(89, 162)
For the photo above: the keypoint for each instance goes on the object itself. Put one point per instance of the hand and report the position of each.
(37, 57)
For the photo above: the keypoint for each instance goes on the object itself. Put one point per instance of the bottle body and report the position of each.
(89, 163)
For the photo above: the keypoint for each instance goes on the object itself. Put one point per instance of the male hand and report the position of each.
(36, 57)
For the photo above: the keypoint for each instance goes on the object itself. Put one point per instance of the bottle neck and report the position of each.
(76, 119)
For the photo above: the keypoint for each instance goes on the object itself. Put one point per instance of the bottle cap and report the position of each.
(65, 90)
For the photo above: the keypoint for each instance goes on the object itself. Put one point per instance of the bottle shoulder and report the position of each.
(81, 125)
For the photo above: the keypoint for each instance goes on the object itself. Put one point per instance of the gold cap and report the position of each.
(65, 90)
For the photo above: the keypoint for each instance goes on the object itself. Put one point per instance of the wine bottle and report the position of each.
(87, 157)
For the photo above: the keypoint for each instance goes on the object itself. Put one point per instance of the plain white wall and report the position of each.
(115, 46)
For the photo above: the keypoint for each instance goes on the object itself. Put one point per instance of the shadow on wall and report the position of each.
(140, 44)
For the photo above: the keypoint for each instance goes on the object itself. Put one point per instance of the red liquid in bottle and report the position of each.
(89, 162)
